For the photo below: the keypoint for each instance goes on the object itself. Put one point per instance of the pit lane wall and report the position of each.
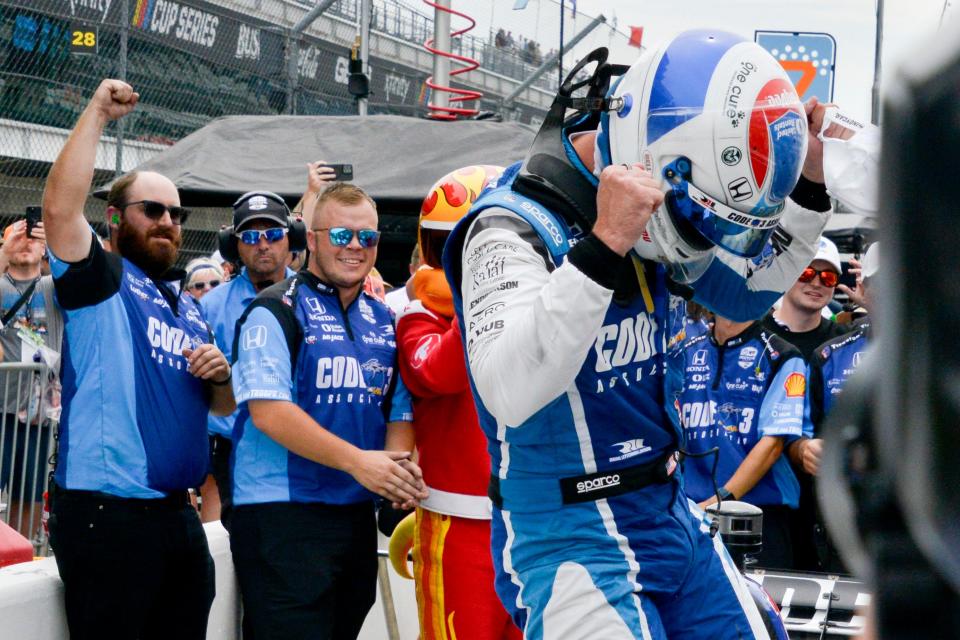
(31, 600)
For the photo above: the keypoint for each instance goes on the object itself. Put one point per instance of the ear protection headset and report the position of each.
(296, 230)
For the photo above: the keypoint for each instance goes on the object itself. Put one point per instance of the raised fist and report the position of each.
(114, 99)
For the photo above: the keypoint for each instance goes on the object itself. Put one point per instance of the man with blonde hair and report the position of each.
(317, 437)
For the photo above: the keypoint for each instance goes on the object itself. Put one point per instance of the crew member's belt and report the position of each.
(596, 486)
(174, 500)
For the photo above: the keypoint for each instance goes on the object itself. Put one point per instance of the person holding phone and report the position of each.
(140, 374)
(31, 329)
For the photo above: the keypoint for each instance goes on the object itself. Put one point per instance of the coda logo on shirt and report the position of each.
(171, 340)
(339, 372)
(631, 340)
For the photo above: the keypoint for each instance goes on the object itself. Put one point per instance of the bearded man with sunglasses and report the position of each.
(261, 223)
(319, 434)
(139, 374)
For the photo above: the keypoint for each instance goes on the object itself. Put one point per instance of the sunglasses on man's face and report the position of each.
(155, 210)
(201, 285)
(341, 236)
(827, 278)
(252, 236)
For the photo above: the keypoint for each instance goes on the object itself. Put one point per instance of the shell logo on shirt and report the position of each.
(795, 385)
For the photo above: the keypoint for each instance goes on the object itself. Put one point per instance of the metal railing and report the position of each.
(28, 428)
(413, 25)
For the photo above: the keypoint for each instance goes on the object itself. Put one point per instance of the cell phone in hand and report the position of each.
(342, 172)
(33, 216)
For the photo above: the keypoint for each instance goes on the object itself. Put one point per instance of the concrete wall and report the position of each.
(31, 600)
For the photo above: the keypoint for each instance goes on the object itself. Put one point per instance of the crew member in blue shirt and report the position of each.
(316, 439)
(743, 393)
(139, 374)
(261, 223)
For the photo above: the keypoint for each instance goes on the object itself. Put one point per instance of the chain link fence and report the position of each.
(196, 60)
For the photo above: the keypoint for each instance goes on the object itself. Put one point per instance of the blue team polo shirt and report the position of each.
(134, 419)
(222, 307)
(295, 343)
(733, 395)
(832, 363)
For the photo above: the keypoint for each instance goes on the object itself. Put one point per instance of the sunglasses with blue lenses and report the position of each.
(252, 236)
(341, 236)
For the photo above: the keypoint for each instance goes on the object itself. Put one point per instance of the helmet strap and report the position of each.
(547, 174)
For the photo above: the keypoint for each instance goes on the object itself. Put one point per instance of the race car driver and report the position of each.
(451, 551)
(593, 536)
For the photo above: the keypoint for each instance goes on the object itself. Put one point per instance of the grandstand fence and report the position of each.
(191, 61)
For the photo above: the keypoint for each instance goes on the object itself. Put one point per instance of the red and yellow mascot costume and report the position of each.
(452, 564)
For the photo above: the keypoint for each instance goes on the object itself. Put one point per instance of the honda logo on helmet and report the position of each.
(740, 189)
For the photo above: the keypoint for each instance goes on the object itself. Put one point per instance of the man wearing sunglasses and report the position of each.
(140, 374)
(261, 226)
(830, 366)
(800, 320)
(318, 435)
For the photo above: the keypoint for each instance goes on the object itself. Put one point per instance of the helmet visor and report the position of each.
(733, 229)
(740, 233)
(431, 246)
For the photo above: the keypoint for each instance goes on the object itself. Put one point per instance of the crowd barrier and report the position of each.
(28, 426)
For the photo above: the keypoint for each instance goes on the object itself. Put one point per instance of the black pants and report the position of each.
(220, 448)
(812, 548)
(306, 571)
(131, 568)
(777, 550)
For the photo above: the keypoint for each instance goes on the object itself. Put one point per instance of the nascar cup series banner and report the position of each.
(233, 39)
(214, 33)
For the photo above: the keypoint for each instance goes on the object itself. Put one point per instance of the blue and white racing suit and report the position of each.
(569, 385)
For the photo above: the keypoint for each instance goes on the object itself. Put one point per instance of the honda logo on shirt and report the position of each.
(316, 306)
(700, 358)
(255, 337)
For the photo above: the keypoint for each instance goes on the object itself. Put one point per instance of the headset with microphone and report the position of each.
(296, 229)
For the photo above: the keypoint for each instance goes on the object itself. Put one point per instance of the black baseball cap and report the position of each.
(257, 205)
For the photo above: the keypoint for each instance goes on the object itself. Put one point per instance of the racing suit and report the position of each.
(451, 553)
(734, 394)
(592, 535)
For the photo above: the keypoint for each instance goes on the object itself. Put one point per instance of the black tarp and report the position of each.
(395, 159)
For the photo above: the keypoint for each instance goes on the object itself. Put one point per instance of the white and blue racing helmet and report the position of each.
(717, 118)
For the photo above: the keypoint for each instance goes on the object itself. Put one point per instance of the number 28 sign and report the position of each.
(808, 58)
(83, 38)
